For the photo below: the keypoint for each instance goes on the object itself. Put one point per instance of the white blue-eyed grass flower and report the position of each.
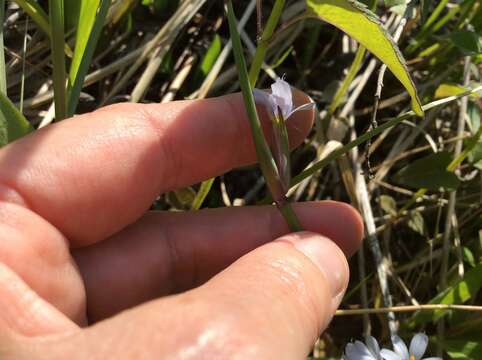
(360, 351)
(417, 348)
(279, 106)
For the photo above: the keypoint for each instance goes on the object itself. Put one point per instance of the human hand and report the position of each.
(85, 271)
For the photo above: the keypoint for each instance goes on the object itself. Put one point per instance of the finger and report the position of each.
(167, 253)
(24, 312)
(271, 304)
(92, 175)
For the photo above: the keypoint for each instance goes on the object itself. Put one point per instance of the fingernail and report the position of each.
(327, 256)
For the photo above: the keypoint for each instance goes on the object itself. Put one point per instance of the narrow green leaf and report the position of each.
(263, 153)
(202, 193)
(86, 19)
(342, 90)
(263, 42)
(207, 62)
(38, 15)
(56, 15)
(77, 75)
(13, 124)
(429, 172)
(361, 24)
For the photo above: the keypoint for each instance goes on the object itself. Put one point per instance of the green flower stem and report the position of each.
(56, 13)
(263, 42)
(263, 153)
(290, 216)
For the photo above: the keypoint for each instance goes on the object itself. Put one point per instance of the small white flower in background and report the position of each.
(280, 99)
(418, 345)
(360, 351)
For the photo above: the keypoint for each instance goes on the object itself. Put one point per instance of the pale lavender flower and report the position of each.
(280, 101)
(418, 345)
(360, 351)
(279, 105)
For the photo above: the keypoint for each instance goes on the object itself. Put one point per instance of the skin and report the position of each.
(87, 273)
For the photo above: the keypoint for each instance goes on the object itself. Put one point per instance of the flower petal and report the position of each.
(281, 92)
(357, 351)
(263, 98)
(373, 347)
(418, 345)
(389, 355)
(400, 347)
(307, 106)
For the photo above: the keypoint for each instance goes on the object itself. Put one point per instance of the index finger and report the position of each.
(92, 175)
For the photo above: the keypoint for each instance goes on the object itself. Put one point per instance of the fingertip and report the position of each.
(336, 220)
(301, 122)
(325, 255)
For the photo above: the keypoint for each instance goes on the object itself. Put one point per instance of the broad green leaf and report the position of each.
(468, 42)
(361, 24)
(13, 124)
(429, 172)
(88, 11)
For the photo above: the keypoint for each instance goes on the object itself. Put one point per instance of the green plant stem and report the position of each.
(56, 13)
(290, 216)
(263, 153)
(263, 42)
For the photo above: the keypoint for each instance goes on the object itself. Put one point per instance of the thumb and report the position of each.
(272, 303)
(284, 293)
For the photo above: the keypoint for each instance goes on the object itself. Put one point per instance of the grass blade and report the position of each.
(56, 14)
(13, 124)
(202, 193)
(263, 42)
(263, 153)
(78, 72)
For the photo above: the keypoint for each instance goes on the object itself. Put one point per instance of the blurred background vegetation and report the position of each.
(418, 185)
